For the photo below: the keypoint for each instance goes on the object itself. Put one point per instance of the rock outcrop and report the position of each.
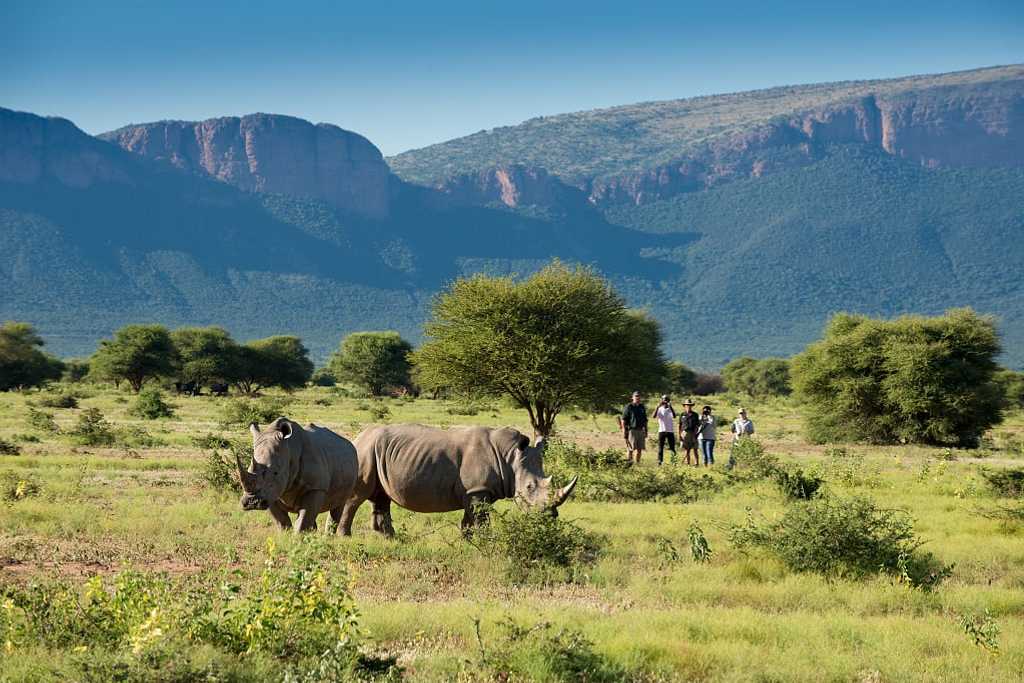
(514, 186)
(35, 148)
(271, 153)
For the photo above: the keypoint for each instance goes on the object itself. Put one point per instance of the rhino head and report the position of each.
(532, 489)
(275, 458)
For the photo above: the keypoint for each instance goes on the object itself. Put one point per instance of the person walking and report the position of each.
(666, 416)
(634, 427)
(689, 421)
(706, 436)
(741, 427)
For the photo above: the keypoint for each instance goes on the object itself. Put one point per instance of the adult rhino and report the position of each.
(425, 469)
(308, 470)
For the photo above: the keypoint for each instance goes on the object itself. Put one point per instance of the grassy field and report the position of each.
(436, 605)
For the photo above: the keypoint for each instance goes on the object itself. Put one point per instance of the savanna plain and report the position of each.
(133, 560)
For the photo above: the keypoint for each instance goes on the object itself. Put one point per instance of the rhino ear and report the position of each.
(541, 444)
(285, 428)
(255, 429)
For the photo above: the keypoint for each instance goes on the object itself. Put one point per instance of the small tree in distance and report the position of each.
(759, 378)
(372, 360)
(915, 379)
(203, 354)
(136, 354)
(560, 338)
(22, 364)
(280, 361)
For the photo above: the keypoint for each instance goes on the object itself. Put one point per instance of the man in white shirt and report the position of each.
(741, 427)
(666, 416)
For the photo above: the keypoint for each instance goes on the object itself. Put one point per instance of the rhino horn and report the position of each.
(564, 494)
(244, 477)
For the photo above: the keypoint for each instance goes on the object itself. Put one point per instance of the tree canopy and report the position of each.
(22, 363)
(372, 360)
(557, 339)
(915, 379)
(136, 354)
(281, 361)
(203, 354)
(759, 378)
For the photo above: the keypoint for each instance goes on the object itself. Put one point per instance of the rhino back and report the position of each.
(432, 470)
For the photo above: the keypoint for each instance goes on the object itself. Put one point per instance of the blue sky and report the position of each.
(411, 74)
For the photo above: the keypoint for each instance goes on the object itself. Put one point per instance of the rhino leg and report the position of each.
(477, 505)
(382, 513)
(309, 508)
(280, 516)
(348, 513)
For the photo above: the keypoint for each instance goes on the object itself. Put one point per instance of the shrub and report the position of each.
(759, 378)
(15, 487)
(640, 484)
(135, 437)
(92, 429)
(22, 363)
(915, 379)
(240, 412)
(62, 400)
(749, 460)
(536, 546)
(219, 471)
(700, 550)
(8, 448)
(1005, 483)
(844, 537)
(323, 377)
(543, 653)
(567, 454)
(150, 405)
(210, 441)
(982, 629)
(380, 412)
(1012, 384)
(796, 485)
(42, 421)
(290, 615)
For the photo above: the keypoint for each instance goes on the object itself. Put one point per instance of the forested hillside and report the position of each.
(876, 197)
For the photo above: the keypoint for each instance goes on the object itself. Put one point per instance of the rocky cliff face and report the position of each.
(271, 153)
(931, 129)
(514, 185)
(34, 148)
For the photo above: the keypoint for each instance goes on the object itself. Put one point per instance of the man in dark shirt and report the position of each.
(689, 421)
(634, 427)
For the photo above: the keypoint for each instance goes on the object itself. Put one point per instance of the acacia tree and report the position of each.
(22, 364)
(560, 338)
(203, 353)
(927, 380)
(373, 360)
(137, 353)
(281, 361)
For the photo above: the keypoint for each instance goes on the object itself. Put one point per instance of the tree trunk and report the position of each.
(542, 419)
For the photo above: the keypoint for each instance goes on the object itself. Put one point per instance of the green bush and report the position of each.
(1006, 483)
(797, 485)
(1012, 384)
(375, 361)
(150, 405)
(289, 619)
(240, 412)
(914, 379)
(749, 460)
(92, 429)
(542, 653)
(8, 448)
(843, 537)
(759, 378)
(15, 487)
(640, 484)
(42, 421)
(571, 456)
(210, 441)
(219, 471)
(538, 547)
(58, 400)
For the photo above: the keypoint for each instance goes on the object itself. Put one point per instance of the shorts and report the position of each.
(636, 439)
(689, 440)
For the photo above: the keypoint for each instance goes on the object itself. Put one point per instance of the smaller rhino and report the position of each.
(306, 470)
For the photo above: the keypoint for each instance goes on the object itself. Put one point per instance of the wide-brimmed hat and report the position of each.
(742, 411)
(689, 402)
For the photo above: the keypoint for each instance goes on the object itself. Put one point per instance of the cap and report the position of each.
(664, 397)
(636, 393)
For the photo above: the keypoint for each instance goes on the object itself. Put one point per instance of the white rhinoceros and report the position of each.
(425, 469)
(308, 470)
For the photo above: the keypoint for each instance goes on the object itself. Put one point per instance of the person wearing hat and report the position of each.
(634, 427)
(706, 436)
(666, 416)
(741, 427)
(689, 421)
